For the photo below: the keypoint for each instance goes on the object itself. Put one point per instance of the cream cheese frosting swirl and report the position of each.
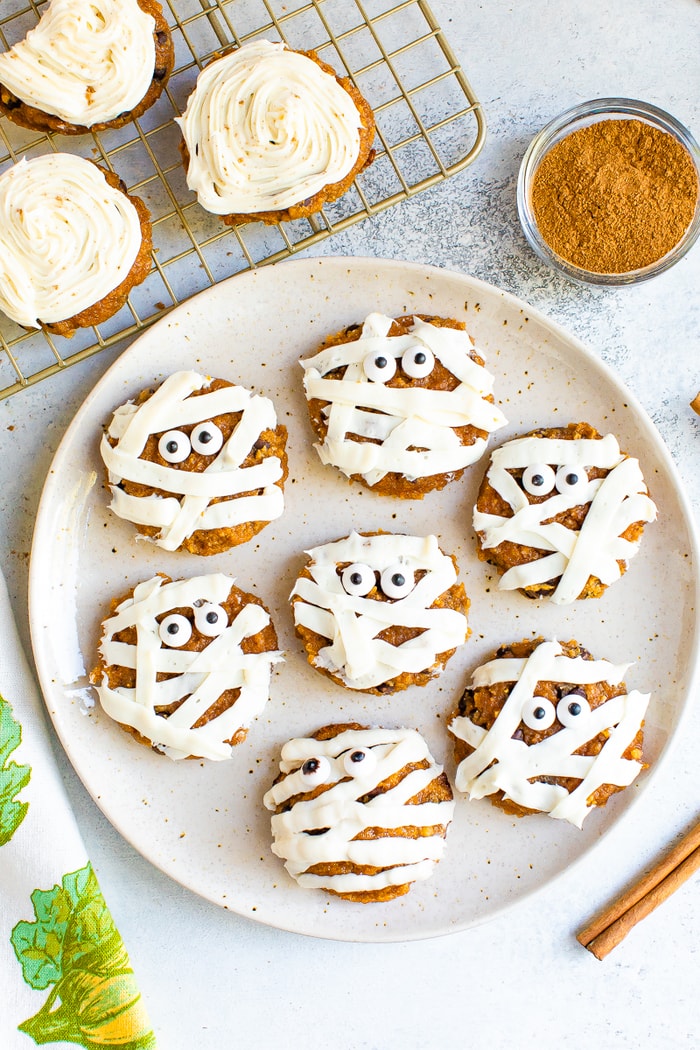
(67, 238)
(87, 61)
(267, 128)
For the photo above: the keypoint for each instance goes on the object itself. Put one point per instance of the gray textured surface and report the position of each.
(215, 980)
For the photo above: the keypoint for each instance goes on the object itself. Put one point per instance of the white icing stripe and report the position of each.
(67, 238)
(337, 809)
(189, 506)
(87, 61)
(351, 623)
(267, 128)
(500, 762)
(616, 502)
(406, 419)
(202, 677)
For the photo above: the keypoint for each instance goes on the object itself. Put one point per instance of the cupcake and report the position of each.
(73, 243)
(561, 512)
(402, 406)
(185, 665)
(271, 134)
(380, 612)
(88, 65)
(359, 813)
(544, 727)
(198, 464)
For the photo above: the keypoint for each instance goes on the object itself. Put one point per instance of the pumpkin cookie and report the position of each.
(560, 513)
(73, 243)
(359, 813)
(402, 406)
(198, 464)
(380, 612)
(185, 665)
(271, 134)
(88, 65)
(544, 727)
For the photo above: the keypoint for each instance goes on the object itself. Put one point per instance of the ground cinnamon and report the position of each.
(615, 196)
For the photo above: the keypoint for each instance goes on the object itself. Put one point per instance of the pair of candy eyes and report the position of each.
(175, 630)
(540, 479)
(359, 579)
(417, 362)
(318, 770)
(539, 712)
(175, 446)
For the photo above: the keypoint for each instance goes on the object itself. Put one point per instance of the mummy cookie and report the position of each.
(402, 406)
(185, 665)
(271, 134)
(545, 727)
(359, 813)
(380, 612)
(87, 65)
(561, 512)
(198, 464)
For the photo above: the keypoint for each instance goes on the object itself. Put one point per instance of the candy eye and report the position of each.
(175, 631)
(379, 367)
(538, 713)
(418, 362)
(538, 479)
(206, 439)
(571, 708)
(210, 620)
(174, 446)
(316, 771)
(571, 480)
(358, 579)
(397, 582)
(358, 758)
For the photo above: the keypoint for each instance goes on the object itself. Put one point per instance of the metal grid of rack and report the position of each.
(429, 126)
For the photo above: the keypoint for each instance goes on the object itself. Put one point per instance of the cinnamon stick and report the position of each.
(614, 923)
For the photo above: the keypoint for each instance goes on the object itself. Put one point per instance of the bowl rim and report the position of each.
(565, 123)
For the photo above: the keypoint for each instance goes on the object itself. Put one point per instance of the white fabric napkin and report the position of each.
(65, 976)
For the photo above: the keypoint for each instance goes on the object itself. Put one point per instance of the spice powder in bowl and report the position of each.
(608, 192)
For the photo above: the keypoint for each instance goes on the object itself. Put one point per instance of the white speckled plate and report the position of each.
(204, 824)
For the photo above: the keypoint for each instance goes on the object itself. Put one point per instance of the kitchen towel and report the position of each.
(65, 974)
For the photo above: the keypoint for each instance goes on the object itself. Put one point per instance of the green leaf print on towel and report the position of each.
(75, 947)
(12, 776)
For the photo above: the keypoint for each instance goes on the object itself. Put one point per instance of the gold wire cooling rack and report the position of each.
(429, 126)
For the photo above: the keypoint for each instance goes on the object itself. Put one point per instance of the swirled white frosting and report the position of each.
(502, 762)
(67, 238)
(401, 858)
(267, 128)
(87, 61)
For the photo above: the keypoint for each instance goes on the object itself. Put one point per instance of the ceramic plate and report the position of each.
(203, 823)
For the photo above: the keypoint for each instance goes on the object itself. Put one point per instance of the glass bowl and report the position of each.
(572, 120)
